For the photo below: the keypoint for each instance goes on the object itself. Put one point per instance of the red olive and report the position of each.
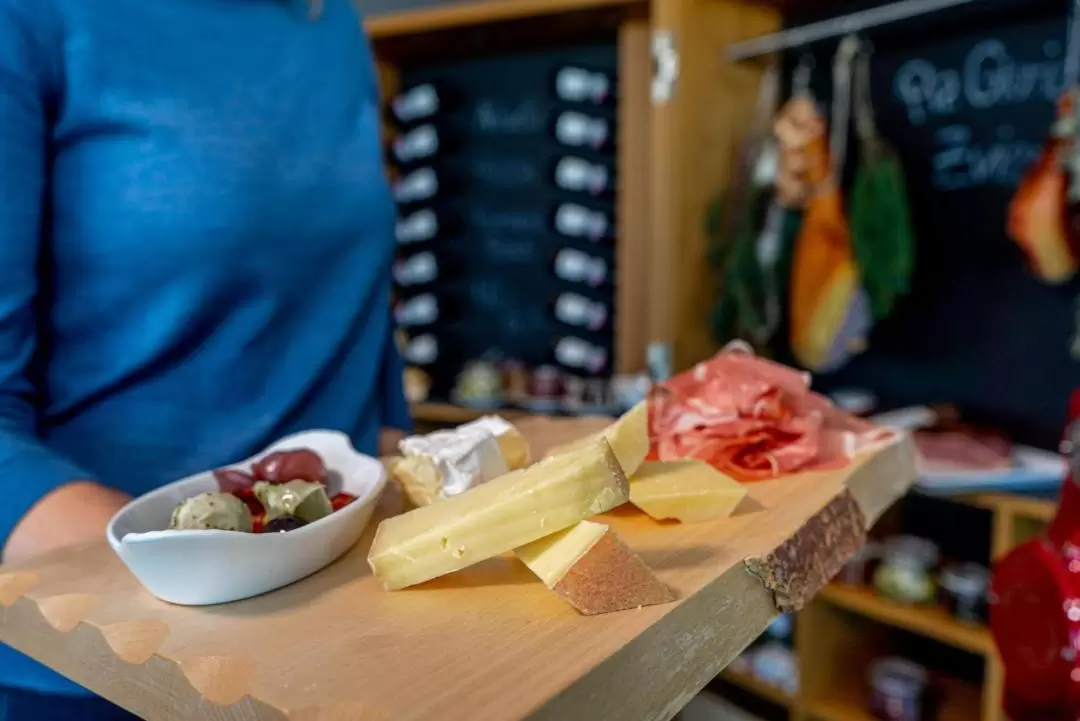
(233, 481)
(285, 466)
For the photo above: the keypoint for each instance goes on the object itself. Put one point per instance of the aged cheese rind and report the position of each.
(690, 491)
(628, 436)
(590, 566)
(510, 511)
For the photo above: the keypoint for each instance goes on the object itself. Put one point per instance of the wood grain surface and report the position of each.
(487, 643)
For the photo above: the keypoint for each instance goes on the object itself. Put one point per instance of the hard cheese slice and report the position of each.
(510, 511)
(590, 566)
(689, 491)
(628, 436)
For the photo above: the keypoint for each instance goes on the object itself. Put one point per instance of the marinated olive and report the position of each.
(283, 524)
(285, 466)
(233, 481)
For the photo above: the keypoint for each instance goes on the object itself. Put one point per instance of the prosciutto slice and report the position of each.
(753, 419)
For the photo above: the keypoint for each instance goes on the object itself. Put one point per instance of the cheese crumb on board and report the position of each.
(447, 463)
(628, 436)
(590, 566)
(690, 491)
(517, 508)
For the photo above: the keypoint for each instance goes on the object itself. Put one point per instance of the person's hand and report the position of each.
(72, 514)
(388, 441)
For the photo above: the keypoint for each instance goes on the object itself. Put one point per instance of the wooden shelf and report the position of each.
(1036, 509)
(762, 689)
(448, 413)
(464, 14)
(930, 621)
(960, 701)
(837, 711)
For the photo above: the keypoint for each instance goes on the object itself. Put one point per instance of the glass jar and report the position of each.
(777, 665)
(963, 591)
(856, 572)
(904, 574)
(897, 689)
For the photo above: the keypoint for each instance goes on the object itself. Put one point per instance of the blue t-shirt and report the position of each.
(195, 240)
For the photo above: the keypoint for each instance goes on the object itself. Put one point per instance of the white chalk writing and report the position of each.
(988, 77)
(961, 162)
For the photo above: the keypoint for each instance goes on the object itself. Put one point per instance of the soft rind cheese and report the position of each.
(515, 509)
(445, 463)
(590, 566)
(690, 491)
(514, 447)
(628, 436)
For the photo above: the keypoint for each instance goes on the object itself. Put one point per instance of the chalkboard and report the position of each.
(497, 159)
(966, 98)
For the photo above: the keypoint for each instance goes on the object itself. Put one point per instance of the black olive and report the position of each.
(282, 524)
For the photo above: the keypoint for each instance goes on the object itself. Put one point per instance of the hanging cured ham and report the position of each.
(753, 419)
(1039, 212)
(829, 311)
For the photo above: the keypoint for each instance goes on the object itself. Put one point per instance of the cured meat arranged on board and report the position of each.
(753, 419)
(963, 450)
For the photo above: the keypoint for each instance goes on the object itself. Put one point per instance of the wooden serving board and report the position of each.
(488, 643)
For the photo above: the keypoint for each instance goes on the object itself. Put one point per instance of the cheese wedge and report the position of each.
(689, 491)
(590, 566)
(515, 449)
(446, 463)
(510, 511)
(628, 436)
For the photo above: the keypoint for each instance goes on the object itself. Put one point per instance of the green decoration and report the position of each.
(882, 237)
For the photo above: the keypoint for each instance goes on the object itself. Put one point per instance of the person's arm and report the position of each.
(46, 503)
(396, 416)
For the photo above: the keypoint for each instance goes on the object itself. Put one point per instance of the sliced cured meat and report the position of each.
(753, 419)
(963, 450)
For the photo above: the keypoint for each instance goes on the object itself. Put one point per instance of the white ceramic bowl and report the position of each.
(198, 568)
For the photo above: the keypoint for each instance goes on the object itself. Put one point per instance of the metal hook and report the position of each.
(847, 49)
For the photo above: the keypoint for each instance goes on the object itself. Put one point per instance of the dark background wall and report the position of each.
(966, 97)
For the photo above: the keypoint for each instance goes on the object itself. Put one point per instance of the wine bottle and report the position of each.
(577, 310)
(416, 269)
(417, 227)
(417, 186)
(578, 85)
(419, 102)
(577, 267)
(578, 130)
(582, 176)
(421, 350)
(577, 221)
(419, 310)
(579, 354)
(420, 143)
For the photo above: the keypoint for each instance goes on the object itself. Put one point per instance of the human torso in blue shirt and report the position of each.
(195, 234)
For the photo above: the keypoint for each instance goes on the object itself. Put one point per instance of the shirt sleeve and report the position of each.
(28, 468)
(396, 413)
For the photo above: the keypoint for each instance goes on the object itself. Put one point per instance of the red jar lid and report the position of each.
(1035, 619)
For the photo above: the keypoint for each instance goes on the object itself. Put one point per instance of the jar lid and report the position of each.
(910, 550)
(896, 676)
(965, 579)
